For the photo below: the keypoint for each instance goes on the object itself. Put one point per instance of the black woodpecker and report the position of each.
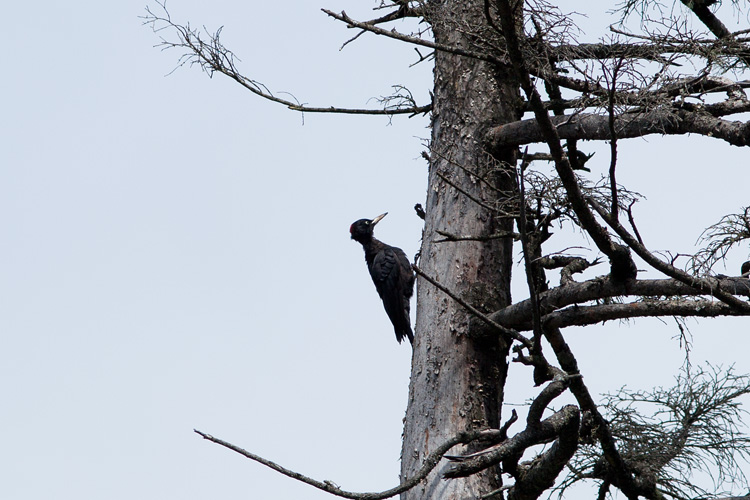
(391, 272)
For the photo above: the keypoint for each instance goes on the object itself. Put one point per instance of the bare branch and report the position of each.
(591, 315)
(570, 266)
(541, 473)
(430, 463)
(622, 266)
(534, 275)
(656, 49)
(665, 121)
(206, 50)
(547, 430)
(518, 315)
(465, 193)
(708, 18)
(454, 237)
(403, 10)
(705, 285)
(411, 39)
(502, 436)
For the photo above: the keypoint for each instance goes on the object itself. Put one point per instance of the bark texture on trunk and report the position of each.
(456, 382)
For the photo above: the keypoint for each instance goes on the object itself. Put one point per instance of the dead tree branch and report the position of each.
(591, 315)
(547, 430)
(430, 463)
(455, 237)
(705, 285)
(343, 17)
(665, 121)
(622, 266)
(518, 315)
(206, 50)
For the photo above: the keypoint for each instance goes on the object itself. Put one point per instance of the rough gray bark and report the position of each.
(456, 382)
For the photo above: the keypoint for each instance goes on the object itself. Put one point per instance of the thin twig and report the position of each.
(613, 133)
(506, 331)
(530, 278)
(468, 195)
(411, 39)
(631, 219)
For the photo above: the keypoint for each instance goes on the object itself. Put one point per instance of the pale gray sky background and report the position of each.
(176, 255)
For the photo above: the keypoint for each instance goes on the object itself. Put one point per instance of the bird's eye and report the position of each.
(367, 222)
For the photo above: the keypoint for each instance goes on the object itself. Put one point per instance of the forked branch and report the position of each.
(705, 285)
(205, 49)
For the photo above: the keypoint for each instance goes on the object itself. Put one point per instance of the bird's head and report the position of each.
(361, 230)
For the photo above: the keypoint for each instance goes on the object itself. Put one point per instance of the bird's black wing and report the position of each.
(391, 273)
(407, 275)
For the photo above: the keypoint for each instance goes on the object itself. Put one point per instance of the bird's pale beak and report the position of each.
(378, 218)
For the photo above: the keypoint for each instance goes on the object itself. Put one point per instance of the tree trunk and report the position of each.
(456, 381)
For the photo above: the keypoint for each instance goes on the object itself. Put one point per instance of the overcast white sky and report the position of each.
(175, 255)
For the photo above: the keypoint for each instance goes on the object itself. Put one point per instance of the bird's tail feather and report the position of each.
(405, 332)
